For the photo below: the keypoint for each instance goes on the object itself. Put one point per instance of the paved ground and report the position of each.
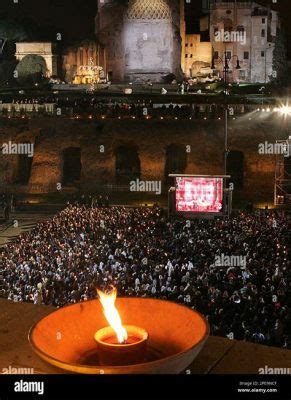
(219, 356)
(19, 223)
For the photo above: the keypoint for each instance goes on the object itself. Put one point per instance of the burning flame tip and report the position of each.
(108, 302)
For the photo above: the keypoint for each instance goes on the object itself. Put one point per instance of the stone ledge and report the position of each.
(219, 356)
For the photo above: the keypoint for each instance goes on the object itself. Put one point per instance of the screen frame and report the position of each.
(202, 214)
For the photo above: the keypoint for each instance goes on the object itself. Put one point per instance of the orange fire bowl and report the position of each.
(69, 338)
(134, 351)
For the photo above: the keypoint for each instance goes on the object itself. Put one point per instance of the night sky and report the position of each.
(75, 18)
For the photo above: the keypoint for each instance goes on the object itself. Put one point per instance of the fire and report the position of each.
(110, 311)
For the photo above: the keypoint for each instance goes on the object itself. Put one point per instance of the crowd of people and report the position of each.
(140, 109)
(143, 253)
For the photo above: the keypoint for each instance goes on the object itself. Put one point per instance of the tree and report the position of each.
(10, 32)
(31, 69)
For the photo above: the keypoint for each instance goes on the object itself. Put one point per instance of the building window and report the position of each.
(263, 20)
(216, 55)
(228, 55)
(242, 74)
(191, 55)
(186, 55)
(186, 44)
(262, 54)
(263, 32)
(228, 25)
(246, 55)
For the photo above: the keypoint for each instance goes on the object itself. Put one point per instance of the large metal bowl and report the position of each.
(65, 338)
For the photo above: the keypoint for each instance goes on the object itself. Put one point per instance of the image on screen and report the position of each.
(199, 195)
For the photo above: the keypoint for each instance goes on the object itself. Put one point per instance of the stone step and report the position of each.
(39, 208)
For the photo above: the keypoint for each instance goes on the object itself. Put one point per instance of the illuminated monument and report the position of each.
(141, 37)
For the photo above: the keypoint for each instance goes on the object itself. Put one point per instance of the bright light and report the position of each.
(285, 110)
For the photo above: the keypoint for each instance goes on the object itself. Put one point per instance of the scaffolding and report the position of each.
(282, 191)
(1, 283)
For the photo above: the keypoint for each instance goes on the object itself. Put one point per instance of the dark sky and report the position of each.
(75, 18)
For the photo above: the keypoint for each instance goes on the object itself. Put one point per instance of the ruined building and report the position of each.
(141, 37)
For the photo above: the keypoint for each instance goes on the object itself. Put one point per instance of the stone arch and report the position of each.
(45, 50)
(176, 160)
(127, 164)
(72, 166)
(235, 168)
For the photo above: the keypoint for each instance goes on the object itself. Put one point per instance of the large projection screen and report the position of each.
(199, 195)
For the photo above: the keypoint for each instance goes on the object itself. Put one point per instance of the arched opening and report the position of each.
(23, 166)
(72, 166)
(176, 161)
(127, 165)
(235, 168)
(287, 167)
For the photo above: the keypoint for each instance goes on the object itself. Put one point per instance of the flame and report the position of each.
(110, 311)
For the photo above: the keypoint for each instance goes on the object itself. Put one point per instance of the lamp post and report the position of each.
(282, 174)
(226, 68)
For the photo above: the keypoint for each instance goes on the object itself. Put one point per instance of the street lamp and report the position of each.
(225, 64)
